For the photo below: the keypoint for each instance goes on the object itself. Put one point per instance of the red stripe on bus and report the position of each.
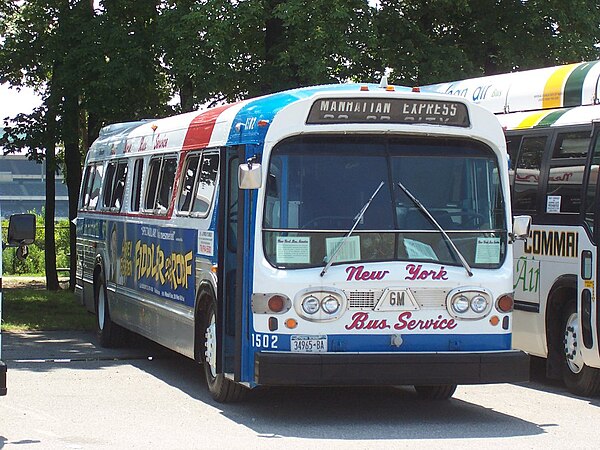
(201, 128)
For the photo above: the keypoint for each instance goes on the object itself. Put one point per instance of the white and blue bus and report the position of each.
(334, 235)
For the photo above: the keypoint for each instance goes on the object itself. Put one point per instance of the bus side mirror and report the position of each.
(521, 226)
(21, 233)
(250, 175)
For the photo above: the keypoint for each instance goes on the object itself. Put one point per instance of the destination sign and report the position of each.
(393, 110)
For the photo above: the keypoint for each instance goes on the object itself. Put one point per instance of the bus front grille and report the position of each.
(427, 298)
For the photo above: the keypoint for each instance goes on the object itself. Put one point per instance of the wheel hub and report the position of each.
(210, 353)
(572, 352)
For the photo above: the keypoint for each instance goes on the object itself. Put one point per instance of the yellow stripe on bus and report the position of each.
(553, 90)
(531, 120)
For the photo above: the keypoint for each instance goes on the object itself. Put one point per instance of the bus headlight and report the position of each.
(330, 304)
(460, 304)
(320, 305)
(469, 303)
(310, 305)
(479, 304)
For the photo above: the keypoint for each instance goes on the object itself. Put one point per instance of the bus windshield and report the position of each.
(317, 186)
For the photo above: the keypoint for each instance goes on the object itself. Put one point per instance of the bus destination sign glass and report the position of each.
(393, 110)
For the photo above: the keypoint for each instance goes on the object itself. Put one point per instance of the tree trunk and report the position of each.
(72, 174)
(49, 240)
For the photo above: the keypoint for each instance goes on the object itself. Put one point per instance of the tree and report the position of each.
(223, 50)
(92, 67)
(441, 40)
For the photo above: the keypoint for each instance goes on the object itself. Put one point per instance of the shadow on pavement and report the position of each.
(309, 413)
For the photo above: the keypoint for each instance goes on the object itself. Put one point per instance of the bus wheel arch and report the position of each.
(220, 387)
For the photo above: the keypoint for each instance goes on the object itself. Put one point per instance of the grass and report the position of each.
(26, 309)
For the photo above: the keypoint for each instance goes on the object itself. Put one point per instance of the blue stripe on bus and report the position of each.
(266, 108)
(410, 343)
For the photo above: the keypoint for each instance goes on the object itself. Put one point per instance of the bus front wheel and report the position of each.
(436, 392)
(220, 388)
(579, 378)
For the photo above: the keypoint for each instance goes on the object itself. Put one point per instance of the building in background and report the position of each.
(23, 188)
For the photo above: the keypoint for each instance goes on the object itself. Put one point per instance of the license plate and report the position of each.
(308, 344)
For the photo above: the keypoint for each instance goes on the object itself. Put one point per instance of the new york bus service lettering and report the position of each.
(405, 321)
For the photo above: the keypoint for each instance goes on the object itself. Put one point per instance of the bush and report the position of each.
(34, 264)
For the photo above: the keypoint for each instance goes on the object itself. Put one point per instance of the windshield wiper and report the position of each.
(359, 216)
(424, 210)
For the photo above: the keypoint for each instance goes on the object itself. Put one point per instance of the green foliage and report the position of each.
(442, 40)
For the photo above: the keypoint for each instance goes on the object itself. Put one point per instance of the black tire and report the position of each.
(436, 392)
(220, 388)
(578, 378)
(110, 335)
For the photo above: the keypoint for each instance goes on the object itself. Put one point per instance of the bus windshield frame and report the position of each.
(326, 180)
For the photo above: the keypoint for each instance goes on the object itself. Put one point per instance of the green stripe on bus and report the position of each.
(551, 118)
(574, 84)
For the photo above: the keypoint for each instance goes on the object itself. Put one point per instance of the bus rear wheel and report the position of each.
(220, 388)
(579, 378)
(109, 333)
(436, 392)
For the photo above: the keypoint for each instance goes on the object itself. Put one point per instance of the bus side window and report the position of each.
(512, 147)
(160, 184)
(136, 190)
(114, 185)
(207, 182)
(187, 189)
(87, 183)
(107, 194)
(167, 180)
(567, 166)
(96, 185)
(527, 173)
(119, 188)
(592, 182)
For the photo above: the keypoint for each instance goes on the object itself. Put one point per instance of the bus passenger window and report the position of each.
(166, 184)
(527, 173)
(137, 185)
(207, 181)
(590, 206)
(512, 147)
(566, 172)
(114, 185)
(160, 184)
(119, 187)
(87, 181)
(187, 188)
(96, 184)
(108, 184)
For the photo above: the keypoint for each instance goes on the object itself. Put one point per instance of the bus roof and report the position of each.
(531, 90)
(211, 127)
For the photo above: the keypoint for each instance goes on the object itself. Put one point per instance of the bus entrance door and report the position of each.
(231, 238)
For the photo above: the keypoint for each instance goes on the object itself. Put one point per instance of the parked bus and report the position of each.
(334, 235)
(550, 116)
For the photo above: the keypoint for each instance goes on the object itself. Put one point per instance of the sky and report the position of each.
(13, 102)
